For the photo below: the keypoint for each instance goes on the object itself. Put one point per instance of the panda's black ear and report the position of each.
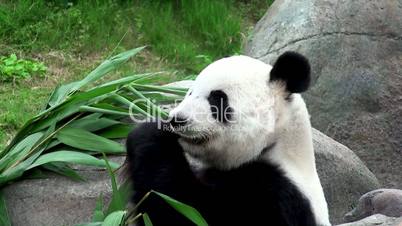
(293, 69)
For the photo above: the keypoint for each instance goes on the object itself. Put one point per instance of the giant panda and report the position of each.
(246, 125)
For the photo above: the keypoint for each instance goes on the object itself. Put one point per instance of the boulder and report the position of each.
(376, 220)
(57, 200)
(381, 201)
(355, 49)
(344, 177)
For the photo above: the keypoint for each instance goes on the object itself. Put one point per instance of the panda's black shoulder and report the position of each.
(264, 192)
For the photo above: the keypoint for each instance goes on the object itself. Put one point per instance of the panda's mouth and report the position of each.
(192, 136)
(196, 140)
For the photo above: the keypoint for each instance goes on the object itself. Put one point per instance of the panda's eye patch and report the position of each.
(219, 103)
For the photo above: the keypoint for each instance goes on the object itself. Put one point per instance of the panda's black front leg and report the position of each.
(156, 162)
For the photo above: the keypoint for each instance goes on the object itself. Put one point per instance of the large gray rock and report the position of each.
(343, 175)
(376, 220)
(381, 201)
(56, 200)
(355, 48)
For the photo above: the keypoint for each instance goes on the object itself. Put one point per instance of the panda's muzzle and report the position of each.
(180, 126)
(195, 140)
(177, 121)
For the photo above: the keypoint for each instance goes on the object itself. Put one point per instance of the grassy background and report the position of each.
(71, 37)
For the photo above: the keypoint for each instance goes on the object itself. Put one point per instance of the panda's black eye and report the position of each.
(190, 93)
(219, 103)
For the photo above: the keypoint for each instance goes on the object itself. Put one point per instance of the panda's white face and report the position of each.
(230, 114)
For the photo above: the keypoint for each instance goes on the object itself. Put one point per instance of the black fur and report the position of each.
(218, 100)
(256, 193)
(294, 69)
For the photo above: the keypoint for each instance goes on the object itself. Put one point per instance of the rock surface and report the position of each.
(343, 175)
(56, 200)
(376, 220)
(381, 201)
(355, 48)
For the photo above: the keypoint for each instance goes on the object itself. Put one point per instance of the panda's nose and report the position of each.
(178, 121)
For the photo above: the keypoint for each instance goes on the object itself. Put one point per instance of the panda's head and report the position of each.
(235, 107)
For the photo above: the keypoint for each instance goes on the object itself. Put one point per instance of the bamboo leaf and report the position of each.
(59, 93)
(171, 90)
(161, 99)
(186, 210)
(98, 212)
(54, 117)
(90, 224)
(27, 129)
(129, 79)
(93, 122)
(60, 107)
(117, 131)
(105, 67)
(147, 220)
(41, 144)
(109, 106)
(154, 108)
(17, 171)
(102, 110)
(74, 103)
(4, 217)
(64, 170)
(114, 219)
(71, 157)
(20, 149)
(81, 139)
(155, 78)
(128, 103)
(117, 202)
(125, 191)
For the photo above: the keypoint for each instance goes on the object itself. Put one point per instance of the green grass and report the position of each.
(182, 32)
(17, 106)
(41, 25)
(182, 37)
(176, 30)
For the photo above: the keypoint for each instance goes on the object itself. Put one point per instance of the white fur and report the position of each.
(261, 117)
(294, 153)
